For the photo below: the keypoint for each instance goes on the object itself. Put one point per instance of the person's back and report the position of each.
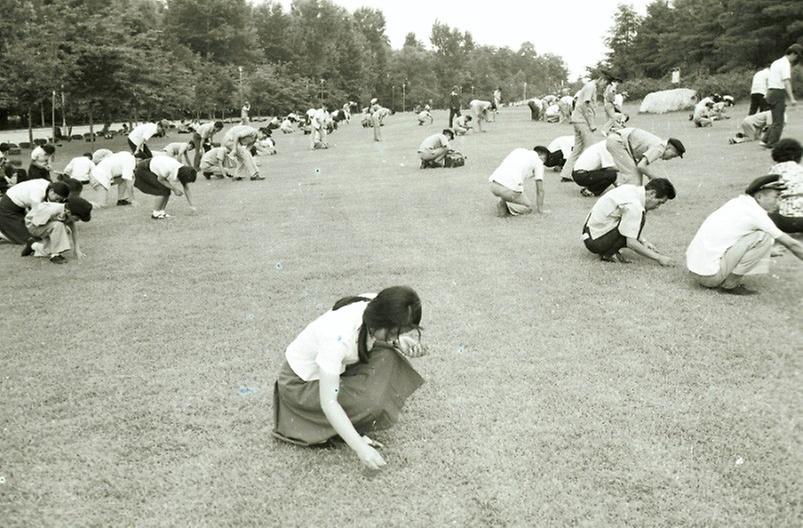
(433, 142)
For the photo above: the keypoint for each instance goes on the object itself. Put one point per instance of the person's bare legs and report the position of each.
(509, 196)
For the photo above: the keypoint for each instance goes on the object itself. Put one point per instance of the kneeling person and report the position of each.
(736, 239)
(507, 181)
(617, 219)
(433, 150)
(54, 225)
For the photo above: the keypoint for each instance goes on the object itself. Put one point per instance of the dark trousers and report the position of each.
(34, 172)
(535, 112)
(776, 99)
(609, 243)
(757, 104)
(145, 153)
(555, 159)
(595, 181)
(453, 112)
(788, 224)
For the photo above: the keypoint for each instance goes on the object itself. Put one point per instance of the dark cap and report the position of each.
(448, 131)
(795, 48)
(678, 146)
(771, 181)
(80, 208)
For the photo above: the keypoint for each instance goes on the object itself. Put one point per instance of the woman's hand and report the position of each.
(178, 192)
(411, 347)
(371, 457)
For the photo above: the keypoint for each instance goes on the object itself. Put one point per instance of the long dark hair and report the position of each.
(397, 307)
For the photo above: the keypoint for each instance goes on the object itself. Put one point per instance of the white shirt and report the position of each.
(29, 193)
(563, 143)
(567, 99)
(552, 110)
(618, 100)
(120, 164)
(521, 164)
(40, 157)
(213, 156)
(433, 142)
(594, 158)
(479, 106)
(329, 343)
(79, 168)
(701, 109)
(318, 118)
(166, 167)
(176, 149)
(722, 229)
(760, 81)
(142, 133)
(206, 131)
(621, 208)
(780, 70)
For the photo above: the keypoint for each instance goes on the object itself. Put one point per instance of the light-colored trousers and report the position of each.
(318, 135)
(245, 162)
(748, 256)
(583, 138)
(625, 164)
(55, 237)
(125, 189)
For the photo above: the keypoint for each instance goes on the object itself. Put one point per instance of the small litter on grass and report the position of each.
(279, 266)
(316, 171)
(739, 461)
(461, 349)
(2, 479)
(245, 391)
(249, 317)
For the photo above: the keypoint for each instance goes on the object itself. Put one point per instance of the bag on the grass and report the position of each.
(454, 159)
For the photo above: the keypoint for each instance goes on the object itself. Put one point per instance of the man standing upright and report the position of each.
(582, 120)
(779, 85)
(454, 105)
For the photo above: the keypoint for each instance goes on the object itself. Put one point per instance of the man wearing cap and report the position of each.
(507, 181)
(779, 85)
(736, 239)
(634, 150)
(617, 220)
(583, 121)
(433, 150)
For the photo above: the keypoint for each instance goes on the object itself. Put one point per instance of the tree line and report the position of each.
(716, 44)
(147, 59)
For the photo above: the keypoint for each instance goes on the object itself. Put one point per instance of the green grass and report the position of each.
(136, 386)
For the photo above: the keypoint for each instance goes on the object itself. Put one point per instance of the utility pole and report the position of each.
(242, 95)
(404, 93)
(525, 90)
(53, 115)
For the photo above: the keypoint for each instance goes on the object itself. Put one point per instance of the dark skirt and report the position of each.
(372, 395)
(148, 182)
(35, 171)
(12, 221)
(145, 153)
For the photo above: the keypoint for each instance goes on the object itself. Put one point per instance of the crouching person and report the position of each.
(507, 181)
(54, 225)
(618, 217)
(736, 239)
(346, 375)
(159, 177)
(433, 150)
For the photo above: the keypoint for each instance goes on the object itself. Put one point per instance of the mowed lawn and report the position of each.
(136, 386)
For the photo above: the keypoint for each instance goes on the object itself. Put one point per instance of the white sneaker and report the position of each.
(158, 215)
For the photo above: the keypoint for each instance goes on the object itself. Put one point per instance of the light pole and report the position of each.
(242, 96)
(322, 81)
(525, 90)
(393, 96)
(404, 93)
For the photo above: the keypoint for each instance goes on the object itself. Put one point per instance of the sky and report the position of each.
(578, 38)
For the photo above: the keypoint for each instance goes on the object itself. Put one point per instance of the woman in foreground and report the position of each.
(346, 374)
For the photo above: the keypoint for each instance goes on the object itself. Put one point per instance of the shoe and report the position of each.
(501, 209)
(28, 249)
(586, 192)
(158, 215)
(238, 178)
(123, 202)
(564, 180)
(616, 258)
(738, 290)
(257, 178)
(58, 259)
(208, 175)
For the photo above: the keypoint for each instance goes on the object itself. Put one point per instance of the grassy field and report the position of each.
(136, 385)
